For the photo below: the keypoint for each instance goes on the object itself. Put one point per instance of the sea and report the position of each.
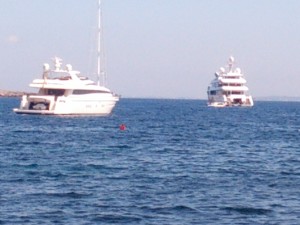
(175, 162)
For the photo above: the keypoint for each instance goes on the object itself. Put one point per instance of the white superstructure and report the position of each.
(67, 92)
(229, 88)
(64, 91)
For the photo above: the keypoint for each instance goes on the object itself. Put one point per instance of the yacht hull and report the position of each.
(248, 102)
(37, 112)
(66, 105)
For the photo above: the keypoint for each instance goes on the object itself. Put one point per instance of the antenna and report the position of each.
(99, 43)
(230, 63)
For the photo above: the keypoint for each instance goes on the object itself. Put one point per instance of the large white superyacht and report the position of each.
(64, 91)
(228, 88)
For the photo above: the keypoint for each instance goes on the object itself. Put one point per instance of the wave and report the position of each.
(115, 219)
(171, 209)
(71, 194)
(248, 210)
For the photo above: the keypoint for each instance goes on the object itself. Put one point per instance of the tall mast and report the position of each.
(99, 43)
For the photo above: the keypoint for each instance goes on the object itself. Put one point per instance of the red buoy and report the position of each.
(122, 127)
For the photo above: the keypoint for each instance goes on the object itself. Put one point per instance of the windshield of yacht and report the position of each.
(58, 75)
(56, 92)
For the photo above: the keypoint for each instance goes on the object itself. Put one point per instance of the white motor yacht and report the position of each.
(64, 91)
(228, 88)
(67, 92)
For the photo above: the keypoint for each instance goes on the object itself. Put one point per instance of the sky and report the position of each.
(155, 48)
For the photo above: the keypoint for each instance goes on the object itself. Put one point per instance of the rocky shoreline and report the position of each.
(4, 93)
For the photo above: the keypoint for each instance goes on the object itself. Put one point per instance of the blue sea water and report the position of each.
(177, 162)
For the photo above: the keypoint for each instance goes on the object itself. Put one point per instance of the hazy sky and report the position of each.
(155, 48)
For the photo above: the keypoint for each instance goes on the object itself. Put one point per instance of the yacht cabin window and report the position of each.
(82, 92)
(56, 92)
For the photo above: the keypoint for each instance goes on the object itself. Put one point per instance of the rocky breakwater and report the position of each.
(4, 93)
